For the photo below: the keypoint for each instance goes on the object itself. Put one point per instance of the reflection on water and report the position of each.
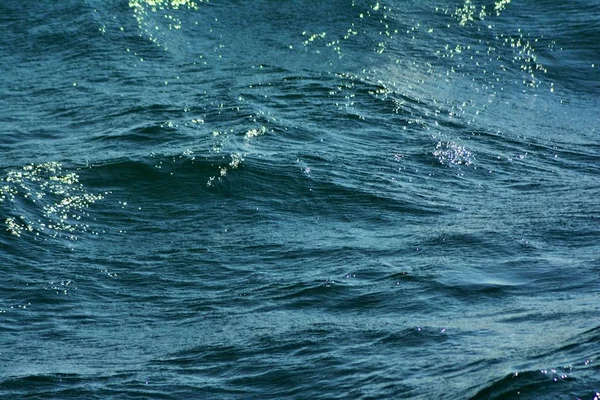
(44, 199)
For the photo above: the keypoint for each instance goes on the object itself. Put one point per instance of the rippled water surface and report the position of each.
(300, 199)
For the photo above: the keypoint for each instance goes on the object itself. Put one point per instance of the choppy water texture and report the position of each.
(300, 199)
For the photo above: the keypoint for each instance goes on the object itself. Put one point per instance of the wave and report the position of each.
(575, 377)
(353, 199)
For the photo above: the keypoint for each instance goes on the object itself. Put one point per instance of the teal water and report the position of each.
(345, 199)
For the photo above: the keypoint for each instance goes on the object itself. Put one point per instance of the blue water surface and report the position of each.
(300, 199)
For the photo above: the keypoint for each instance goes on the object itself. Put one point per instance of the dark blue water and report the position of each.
(299, 199)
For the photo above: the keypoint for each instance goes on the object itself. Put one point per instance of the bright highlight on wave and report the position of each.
(449, 153)
(44, 199)
(522, 46)
(143, 10)
(468, 12)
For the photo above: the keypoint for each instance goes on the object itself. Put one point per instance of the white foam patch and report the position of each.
(450, 153)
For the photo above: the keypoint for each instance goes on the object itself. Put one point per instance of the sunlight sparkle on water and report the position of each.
(44, 198)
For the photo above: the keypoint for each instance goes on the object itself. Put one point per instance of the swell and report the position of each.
(125, 385)
(568, 371)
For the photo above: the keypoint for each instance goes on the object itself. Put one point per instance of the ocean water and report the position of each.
(350, 199)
